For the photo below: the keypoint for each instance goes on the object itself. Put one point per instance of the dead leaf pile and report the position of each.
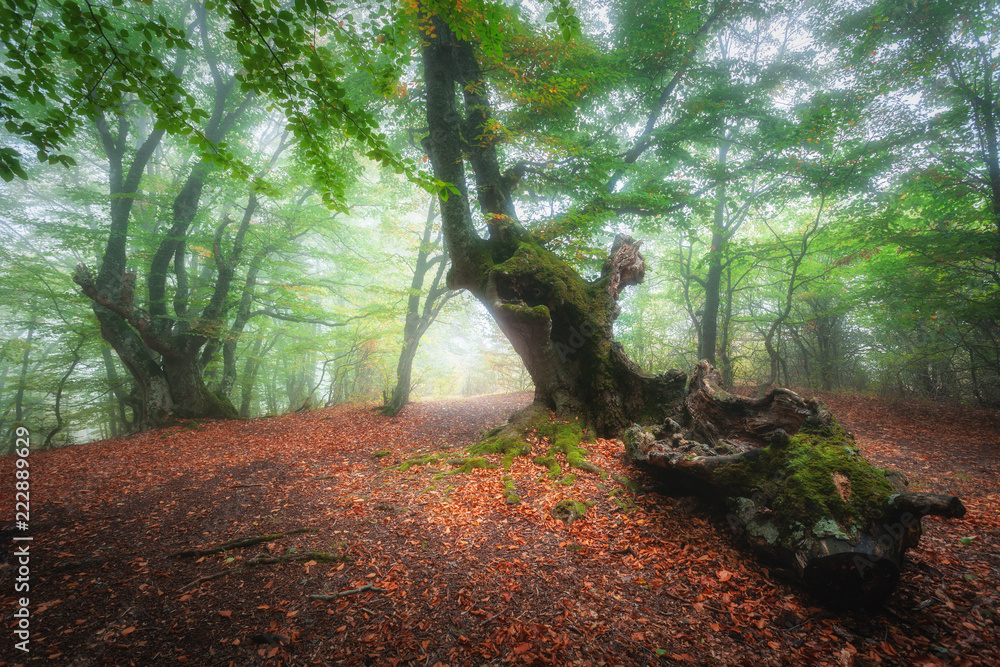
(431, 567)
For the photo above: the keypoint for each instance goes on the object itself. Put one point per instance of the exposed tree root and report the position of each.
(564, 435)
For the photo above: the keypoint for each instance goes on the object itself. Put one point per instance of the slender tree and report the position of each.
(421, 309)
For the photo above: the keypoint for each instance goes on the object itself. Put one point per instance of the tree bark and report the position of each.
(59, 391)
(122, 398)
(796, 487)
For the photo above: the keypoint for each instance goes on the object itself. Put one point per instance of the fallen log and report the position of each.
(797, 488)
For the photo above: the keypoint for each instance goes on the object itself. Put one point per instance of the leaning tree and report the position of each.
(798, 489)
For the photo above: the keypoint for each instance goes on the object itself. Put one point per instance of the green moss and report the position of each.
(510, 491)
(535, 313)
(569, 510)
(326, 557)
(466, 465)
(797, 481)
(555, 470)
(222, 406)
(426, 459)
(622, 501)
(567, 480)
(509, 440)
(382, 453)
(493, 432)
(626, 482)
(566, 438)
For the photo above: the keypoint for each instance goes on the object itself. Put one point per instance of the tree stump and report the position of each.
(797, 487)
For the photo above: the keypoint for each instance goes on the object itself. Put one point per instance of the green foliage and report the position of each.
(69, 63)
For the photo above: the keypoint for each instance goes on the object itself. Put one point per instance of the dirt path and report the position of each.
(463, 577)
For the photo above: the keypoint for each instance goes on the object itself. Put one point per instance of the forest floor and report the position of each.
(451, 574)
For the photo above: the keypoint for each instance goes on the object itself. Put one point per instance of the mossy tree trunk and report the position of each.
(558, 323)
(797, 487)
(810, 501)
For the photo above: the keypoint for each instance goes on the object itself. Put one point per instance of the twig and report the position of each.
(362, 589)
(318, 556)
(691, 604)
(244, 486)
(493, 616)
(236, 544)
(208, 577)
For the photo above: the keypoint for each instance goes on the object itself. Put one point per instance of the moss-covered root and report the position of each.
(509, 440)
(811, 501)
(569, 510)
(510, 491)
(816, 480)
(566, 438)
(421, 460)
(464, 465)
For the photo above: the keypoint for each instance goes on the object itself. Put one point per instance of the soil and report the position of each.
(440, 569)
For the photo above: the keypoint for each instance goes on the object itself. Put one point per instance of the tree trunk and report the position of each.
(558, 323)
(250, 370)
(806, 498)
(709, 332)
(123, 399)
(22, 382)
(59, 391)
(169, 386)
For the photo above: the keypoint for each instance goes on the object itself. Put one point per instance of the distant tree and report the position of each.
(928, 73)
(422, 308)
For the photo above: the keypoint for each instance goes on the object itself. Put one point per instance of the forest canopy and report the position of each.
(228, 208)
